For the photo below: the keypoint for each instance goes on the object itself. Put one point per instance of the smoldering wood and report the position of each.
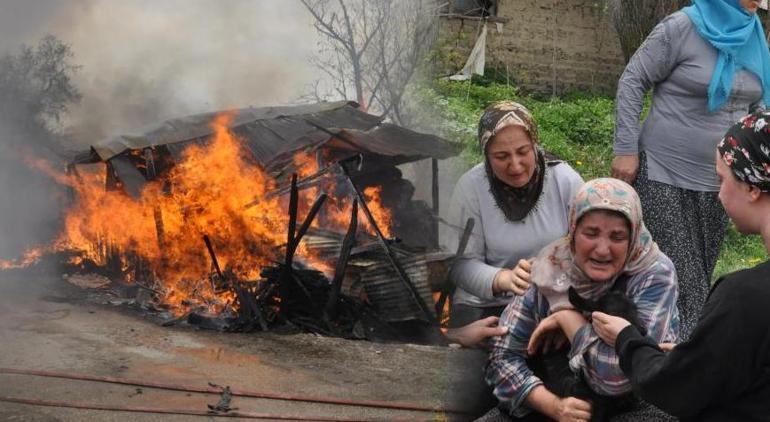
(308, 220)
(342, 263)
(389, 253)
(214, 261)
(449, 292)
(435, 196)
(293, 243)
(310, 181)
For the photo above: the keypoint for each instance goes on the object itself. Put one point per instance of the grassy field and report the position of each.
(577, 127)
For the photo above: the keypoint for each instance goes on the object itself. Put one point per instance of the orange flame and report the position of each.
(209, 187)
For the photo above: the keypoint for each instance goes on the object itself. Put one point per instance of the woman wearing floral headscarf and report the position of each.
(722, 373)
(519, 200)
(607, 248)
(707, 66)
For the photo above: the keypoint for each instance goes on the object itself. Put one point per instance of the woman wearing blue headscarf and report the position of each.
(707, 65)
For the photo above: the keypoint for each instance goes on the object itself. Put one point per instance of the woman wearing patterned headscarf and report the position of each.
(707, 66)
(721, 373)
(519, 200)
(607, 248)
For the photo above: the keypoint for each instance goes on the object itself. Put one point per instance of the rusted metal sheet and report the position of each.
(386, 291)
(272, 132)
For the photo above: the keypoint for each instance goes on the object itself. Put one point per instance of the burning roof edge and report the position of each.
(290, 127)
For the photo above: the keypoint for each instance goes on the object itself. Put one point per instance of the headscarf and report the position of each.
(740, 40)
(746, 150)
(554, 269)
(515, 203)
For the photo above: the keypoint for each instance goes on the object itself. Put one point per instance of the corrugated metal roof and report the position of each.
(199, 126)
(274, 134)
(273, 131)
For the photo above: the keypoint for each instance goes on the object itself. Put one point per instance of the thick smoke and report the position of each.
(144, 62)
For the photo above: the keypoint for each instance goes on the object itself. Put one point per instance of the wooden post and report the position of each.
(342, 263)
(460, 250)
(434, 168)
(389, 252)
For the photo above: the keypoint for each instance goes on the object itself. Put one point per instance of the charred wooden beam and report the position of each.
(213, 256)
(460, 251)
(249, 309)
(159, 230)
(151, 174)
(402, 275)
(308, 220)
(293, 201)
(293, 240)
(342, 263)
(283, 285)
(309, 181)
(435, 190)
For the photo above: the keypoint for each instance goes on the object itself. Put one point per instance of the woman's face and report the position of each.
(601, 244)
(733, 194)
(512, 156)
(750, 6)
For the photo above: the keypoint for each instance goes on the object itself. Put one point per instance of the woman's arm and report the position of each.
(469, 272)
(652, 62)
(654, 294)
(716, 364)
(507, 371)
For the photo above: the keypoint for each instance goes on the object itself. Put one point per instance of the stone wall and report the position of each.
(548, 46)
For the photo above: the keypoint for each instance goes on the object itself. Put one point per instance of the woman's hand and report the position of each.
(625, 167)
(548, 333)
(474, 333)
(608, 327)
(571, 409)
(516, 280)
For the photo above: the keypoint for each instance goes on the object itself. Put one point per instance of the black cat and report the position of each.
(556, 368)
(612, 303)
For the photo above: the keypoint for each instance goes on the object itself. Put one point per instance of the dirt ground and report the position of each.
(49, 324)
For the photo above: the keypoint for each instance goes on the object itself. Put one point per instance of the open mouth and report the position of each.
(600, 263)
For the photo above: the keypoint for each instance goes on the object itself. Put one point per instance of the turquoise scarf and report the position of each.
(740, 40)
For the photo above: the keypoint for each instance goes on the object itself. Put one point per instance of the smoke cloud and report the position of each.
(144, 62)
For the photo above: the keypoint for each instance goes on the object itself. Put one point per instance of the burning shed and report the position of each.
(144, 204)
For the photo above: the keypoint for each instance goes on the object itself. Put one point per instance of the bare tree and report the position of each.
(37, 82)
(372, 49)
(634, 19)
(36, 91)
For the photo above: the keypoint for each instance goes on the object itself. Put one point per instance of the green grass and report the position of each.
(739, 251)
(578, 128)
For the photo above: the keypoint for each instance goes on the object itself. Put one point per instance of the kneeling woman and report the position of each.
(607, 248)
(519, 200)
(722, 373)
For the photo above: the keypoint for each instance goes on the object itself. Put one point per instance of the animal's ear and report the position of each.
(578, 302)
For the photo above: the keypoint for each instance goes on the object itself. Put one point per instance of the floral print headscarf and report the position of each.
(746, 150)
(554, 269)
(515, 203)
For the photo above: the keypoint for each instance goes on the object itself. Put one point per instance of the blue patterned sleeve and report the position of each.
(507, 371)
(654, 292)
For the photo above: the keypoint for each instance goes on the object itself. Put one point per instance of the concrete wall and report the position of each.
(549, 46)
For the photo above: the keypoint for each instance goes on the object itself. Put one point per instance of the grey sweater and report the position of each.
(679, 136)
(497, 243)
